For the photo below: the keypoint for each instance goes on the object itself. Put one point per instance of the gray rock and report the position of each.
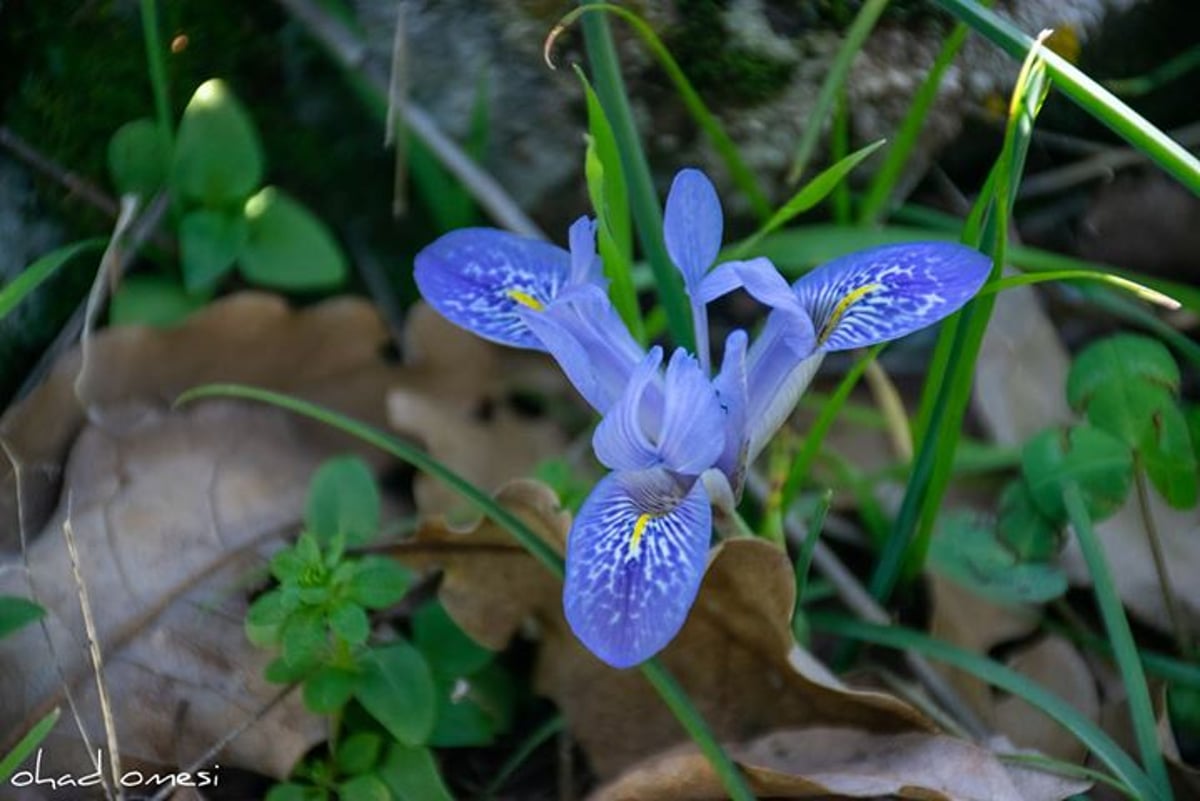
(537, 117)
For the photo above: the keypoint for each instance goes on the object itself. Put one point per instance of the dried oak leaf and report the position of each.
(168, 518)
(844, 763)
(735, 657)
(329, 354)
(459, 397)
(171, 512)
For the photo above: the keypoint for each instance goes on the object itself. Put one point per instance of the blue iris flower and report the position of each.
(678, 438)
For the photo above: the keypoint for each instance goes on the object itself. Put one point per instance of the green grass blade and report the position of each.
(835, 79)
(610, 200)
(1125, 651)
(1132, 287)
(1156, 664)
(1084, 92)
(157, 68)
(839, 148)
(647, 213)
(806, 198)
(35, 274)
(675, 698)
(741, 174)
(518, 758)
(1161, 75)
(21, 751)
(879, 193)
(1081, 727)
(658, 676)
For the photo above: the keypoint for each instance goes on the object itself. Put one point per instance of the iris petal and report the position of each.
(586, 336)
(481, 279)
(779, 368)
(635, 558)
(620, 441)
(692, 435)
(731, 388)
(692, 225)
(886, 292)
(585, 263)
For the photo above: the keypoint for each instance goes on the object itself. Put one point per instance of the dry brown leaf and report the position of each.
(456, 399)
(962, 618)
(1055, 664)
(168, 516)
(844, 763)
(735, 657)
(329, 354)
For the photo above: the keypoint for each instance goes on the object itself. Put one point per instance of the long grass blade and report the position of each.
(41, 270)
(26, 745)
(1004, 678)
(672, 694)
(1084, 92)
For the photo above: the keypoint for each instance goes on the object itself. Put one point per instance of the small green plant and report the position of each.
(15, 614)
(225, 217)
(391, 697)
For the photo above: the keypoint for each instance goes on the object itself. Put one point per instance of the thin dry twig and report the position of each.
(352, 54)
(396, 133)
(856, 598)
(93, 644)
(74, 184)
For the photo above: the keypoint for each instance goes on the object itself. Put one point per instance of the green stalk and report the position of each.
(1084, 92)
(687, 714)
(1125, 652)
(672, 694)
(643, 201)
(839, 148)
(856, 37)
(158, 73)
(1079, 725)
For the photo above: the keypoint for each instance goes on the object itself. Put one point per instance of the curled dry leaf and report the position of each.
(844, 763)
(736, 656)
(171, 511)
(459, 397)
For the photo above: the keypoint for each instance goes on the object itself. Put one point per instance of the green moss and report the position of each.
(725, 72)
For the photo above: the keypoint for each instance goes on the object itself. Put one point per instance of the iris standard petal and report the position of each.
(590, 342)
(481, 278)
(693, 225)
(886, 292)
(779, 367)
(621, 441)
(731, 387)
(585, 263)
(635, 557)
(693, 432)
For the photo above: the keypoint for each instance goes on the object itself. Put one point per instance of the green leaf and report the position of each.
(218, 157)
(1096, 461)
(608, 194)
(32, 276)
(343, 500)
(151, 300)
(378, 582)
(1023, 529)
(278, 671)
(209, 243)
(26, 745)
(472, 711)
(290, 791)
(1126, 408)
(329, 689)
(265, 618)
(304, 637)
(411, 774)
(287, 247)
(364, 788)
(968, 553)
(137, 161)
(451, 653)
(359, 752)
(1167, 453)
(808, 196)
(397, 690)
(16, 613)
(349, 621)
(1124, 359)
